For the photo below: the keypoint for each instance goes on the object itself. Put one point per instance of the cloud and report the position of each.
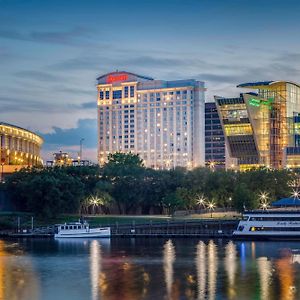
(89, 105)
(60, 137)
(37, 75)
(14, 105)
(68, 37)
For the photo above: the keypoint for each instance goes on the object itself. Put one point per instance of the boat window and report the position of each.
(62, 227)
(262, 228)
(275, 218)
(67, 227)
(241, 228)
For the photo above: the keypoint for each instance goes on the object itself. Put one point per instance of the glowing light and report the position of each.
(264, 204)
(296, 194)
(116, 78)
(201, 200)
(201, 270)
(231, 267)
(169, 258)
(212, 270)
(265, 273)
(95, 267)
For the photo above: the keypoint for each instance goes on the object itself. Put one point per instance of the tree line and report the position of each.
(124, 186)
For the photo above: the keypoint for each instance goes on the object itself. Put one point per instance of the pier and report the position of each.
(203, 228)
(211, 228)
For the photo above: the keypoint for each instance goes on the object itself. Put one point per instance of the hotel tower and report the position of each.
(162, 121)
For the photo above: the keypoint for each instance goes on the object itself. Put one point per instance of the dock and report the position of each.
(206, 228)
(203, 228)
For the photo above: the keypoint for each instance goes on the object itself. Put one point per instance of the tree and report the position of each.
(125, 171)
(243, 198)
(173, 201)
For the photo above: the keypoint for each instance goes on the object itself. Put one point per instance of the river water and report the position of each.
(132, 269)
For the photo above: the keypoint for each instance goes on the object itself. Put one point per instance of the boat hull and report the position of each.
(82, 235)
(264, 237)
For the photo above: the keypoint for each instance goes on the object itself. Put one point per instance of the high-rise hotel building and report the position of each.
(162, 121)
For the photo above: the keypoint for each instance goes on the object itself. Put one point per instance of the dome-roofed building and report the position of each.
(19, 148)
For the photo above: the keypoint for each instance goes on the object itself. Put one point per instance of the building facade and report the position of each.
(261, 128)
(215, 156)
(162, 121)
(19, 148)
(64, 159)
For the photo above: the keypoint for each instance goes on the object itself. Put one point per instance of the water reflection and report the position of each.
(201, 269)
(17, 277)
(286, 276)
(169, 258)
(127, 270)
(230, 267)
(265, 275)
(95, 268)
(213, 269)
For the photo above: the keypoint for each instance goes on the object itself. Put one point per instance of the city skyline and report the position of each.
(51, 53)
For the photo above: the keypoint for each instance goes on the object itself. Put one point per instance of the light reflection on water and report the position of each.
(169, 258)
(148, 269)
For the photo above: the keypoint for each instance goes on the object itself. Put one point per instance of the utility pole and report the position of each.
(80, 151)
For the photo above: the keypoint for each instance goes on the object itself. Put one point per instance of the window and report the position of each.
(132, 91)
(126, 92)
(107, 95)
(101, 95)
(117, 94)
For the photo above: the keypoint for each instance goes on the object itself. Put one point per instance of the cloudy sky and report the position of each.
(51, 52)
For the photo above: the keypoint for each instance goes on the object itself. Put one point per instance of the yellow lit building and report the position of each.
(19, 148)
(261, 128)
(162, 121)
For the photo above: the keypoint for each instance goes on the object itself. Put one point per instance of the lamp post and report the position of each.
(264, 200)
(80, 150)
(211, 207)
(201, 201)
(2, 166)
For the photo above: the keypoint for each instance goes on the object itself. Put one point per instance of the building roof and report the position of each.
(129, 73)
(263, 84)
(287, 202)
(18, 127)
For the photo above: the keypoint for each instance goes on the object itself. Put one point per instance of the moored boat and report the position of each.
(269, 224)
(80, 230)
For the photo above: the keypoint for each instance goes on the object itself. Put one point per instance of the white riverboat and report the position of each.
(80, 230)
(269, 224)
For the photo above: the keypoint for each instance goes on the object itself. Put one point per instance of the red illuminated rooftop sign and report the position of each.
(115, 78)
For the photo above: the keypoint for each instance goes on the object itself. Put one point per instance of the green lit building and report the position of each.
(262, 128)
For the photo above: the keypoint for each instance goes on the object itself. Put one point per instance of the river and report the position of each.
(150, 269)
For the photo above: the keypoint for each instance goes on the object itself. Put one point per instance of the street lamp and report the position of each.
(2, 166)
(263, 196)
(211, 206)
(201, 201)
(230, 199)
(212, 165)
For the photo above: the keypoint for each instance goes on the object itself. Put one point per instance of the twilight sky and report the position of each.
(51, 52)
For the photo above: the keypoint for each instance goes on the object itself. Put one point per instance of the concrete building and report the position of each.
(162, 121)
(261, 128)
(64, 159)
(215, 156)
(19, 148)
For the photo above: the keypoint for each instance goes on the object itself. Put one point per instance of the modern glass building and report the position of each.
(261, 127)
(214, 138)
(162, 121)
